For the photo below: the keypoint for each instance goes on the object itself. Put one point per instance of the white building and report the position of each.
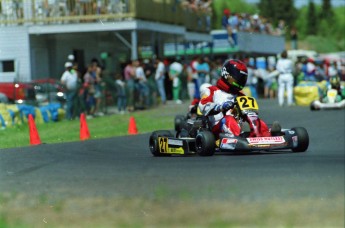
(36, 38)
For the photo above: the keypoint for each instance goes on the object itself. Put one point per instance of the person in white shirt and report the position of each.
(141, 85)
(69, 79)
(285, 80)
(160, 77)
(175, 70)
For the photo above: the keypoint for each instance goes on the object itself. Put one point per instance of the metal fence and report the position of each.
(21, 12)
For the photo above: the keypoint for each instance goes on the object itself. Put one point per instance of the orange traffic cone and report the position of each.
(34, 136)
(84, 130)
(132, 128)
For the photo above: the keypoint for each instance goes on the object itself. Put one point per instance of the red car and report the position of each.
(18, 92)
(49, 90)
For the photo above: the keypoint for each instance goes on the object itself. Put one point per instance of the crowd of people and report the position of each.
(141, 84)
(13, 10)
(233, 22)
(144, 84)
(84, 92)
(283, 76)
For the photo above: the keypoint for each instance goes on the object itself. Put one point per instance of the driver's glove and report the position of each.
(224, 107)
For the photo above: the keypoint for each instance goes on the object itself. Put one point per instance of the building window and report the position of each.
(7, 66)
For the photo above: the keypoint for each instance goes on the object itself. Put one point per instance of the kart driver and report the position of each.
(218, 100)
(335, 84)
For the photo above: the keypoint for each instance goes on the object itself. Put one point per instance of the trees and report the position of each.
(311, 19)
(327, 11)
(278, 10)
(321, 24)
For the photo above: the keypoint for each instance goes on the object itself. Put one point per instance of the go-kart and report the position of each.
(331, 101)
(193, 136)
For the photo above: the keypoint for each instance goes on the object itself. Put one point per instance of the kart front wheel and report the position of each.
(302, 139)
(154, 144)
(205, 143)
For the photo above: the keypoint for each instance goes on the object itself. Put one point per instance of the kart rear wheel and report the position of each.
(302, 139)
(153, 142)
(205, 143)
(179, 122)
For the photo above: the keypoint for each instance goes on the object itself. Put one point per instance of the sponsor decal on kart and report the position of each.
(175, 142)
(268, 146)
(229, 144)
(170, 146)
(266, 140)
(178, 150)
(261, 146)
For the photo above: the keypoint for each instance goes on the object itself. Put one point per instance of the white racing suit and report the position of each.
(223, 122)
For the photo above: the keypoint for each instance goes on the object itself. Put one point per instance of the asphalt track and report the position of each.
(123, 166)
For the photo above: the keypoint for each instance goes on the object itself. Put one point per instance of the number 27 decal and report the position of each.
(247, 102)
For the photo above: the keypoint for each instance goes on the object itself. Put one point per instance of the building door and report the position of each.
(80, 59)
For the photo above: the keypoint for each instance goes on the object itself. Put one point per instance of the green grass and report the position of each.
(28, 211)
(161, 117)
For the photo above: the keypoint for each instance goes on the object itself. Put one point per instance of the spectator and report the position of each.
(121, 94)
(141, 85)
(244, 22)
(320, 74)
(79, 101)
(160, 77)
(281, 28)
(203, 70)
(310, 70)
(294, 38)
(332, 69)
(69, 80)
(267, 80)
(99, 88)
(193, 88)
(226, 25)
(205, 7)
(175, 71)
(342, 72)
(255, 24)
(285, 79)
(216, 68)
(233, 22)
(129, 73)
(185, 75)
(252, 81)
(89, 85)
(149, 73)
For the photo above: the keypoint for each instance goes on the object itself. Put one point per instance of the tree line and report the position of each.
(315, 23)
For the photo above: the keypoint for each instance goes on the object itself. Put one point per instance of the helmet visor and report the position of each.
(239, 84)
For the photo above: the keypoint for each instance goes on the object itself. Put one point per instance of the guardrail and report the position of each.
(23, 12)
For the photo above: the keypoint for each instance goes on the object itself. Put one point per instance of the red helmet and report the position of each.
(237, 70)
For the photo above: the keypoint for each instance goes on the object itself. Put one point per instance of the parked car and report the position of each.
(49, 90)
(18, 92)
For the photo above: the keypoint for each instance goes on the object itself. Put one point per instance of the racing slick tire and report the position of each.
(205, 143)
(314, 107)
(153, 142)
(179, 122)
(303, 139)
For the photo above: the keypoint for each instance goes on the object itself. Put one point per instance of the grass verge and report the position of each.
(161, 117)
(23, 211)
